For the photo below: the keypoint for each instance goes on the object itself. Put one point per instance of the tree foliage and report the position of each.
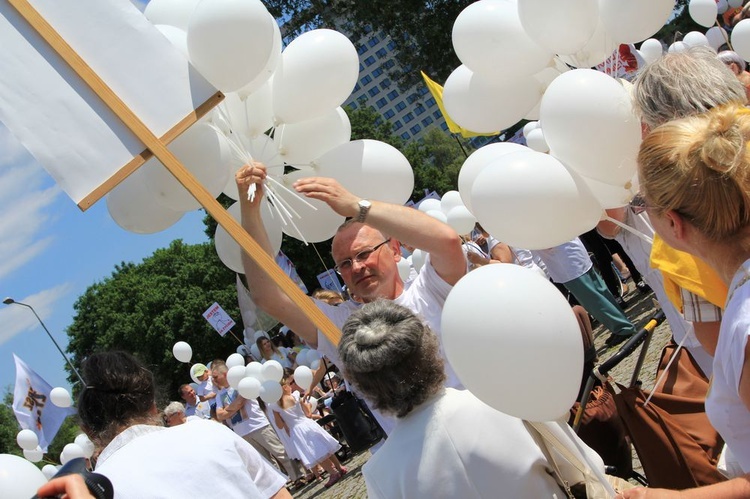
(436, 161)
(145, 308)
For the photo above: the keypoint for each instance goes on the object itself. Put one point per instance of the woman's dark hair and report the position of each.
(119, 392)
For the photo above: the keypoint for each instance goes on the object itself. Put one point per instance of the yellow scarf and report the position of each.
(683, 270)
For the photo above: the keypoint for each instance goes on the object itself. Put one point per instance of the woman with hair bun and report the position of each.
(695, 177)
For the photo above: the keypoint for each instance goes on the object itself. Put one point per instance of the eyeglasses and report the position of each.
(638, 204)
(361, 257)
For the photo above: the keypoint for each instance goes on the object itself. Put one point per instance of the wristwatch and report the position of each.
(364, 209)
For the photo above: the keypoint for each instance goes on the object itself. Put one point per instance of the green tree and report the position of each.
(145, 308)
(436, 161)
(9, 427)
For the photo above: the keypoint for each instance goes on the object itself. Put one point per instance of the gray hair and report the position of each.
(731, 57)
(683, 84)
(391, 357)
(174, 408)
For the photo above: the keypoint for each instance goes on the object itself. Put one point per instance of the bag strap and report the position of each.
(542, 443)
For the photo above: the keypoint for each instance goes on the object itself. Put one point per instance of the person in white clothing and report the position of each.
(446, 443)
(193, 405)
(142, 458)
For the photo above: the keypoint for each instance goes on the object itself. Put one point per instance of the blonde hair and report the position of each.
(700, 168)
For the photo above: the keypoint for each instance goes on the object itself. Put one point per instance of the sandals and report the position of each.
(335, 477)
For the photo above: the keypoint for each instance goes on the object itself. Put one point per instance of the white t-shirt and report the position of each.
(724, 408)
(454, 445)
(200, 459)
(248, 419)
(566, 261)
(205, 387)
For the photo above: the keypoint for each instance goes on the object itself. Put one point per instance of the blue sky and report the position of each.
(51, 252)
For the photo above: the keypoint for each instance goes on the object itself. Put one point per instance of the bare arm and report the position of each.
(707, 334)
(407, 225)
(280, 422)
(609, 229)
(731, 489)
(283, 493)
(209, 396)
(224, 413)
(501, 252)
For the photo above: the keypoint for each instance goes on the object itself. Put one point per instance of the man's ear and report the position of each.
(395, 245)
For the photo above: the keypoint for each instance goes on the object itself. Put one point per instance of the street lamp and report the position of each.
(11, 301)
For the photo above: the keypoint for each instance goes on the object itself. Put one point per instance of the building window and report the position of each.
(353, 105)
(444, 126)
(431, 102)
(381, 103)
(362, 98)
(437, 114)
(362, 49)
(370, 60)
(412, 98)
(373, 91)
(393, 94)
(373, 41)
(419, 110)
(427, 121)
(405, 136)
(391, 45)
(396, 125)
(381, 53)
(400, 106)
(415, 129)
(365, 80)
(423, 90)
(389, 114)
(385, 84)
(389, 64)
(377, 72)
(356, 87)
(408, 117)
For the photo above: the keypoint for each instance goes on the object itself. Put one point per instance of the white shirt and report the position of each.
(248, 419)
(205, 387)
(200, 409)
(724, 408)
(566, 261)
(454, 445)
(200, 459)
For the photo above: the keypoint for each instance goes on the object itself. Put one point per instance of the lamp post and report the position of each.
(11, 301)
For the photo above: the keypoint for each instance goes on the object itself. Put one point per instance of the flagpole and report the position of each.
(11, 301)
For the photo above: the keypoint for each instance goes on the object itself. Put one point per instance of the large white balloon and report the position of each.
(249, 388)
(259, 110)
(315, 224)
(205, 154)
(27, 440)
(49, 470)
(300, 143)
(430, 204)
(19, 479)
(236, 360)
(489, 39)
(461, 219)
(530, 200)
(60, 397)
(741, 39)
(303, 376)
(418, 258)
(488, 104)
(476, 162)
(717, 37)
(254, 370)
(634, 20)
(136, 209)
(272, 371)
(597, 49)
(262, 149)
(170, 12)
(270, 391)
(34, 455)
(71, 451)
(230, 41)
(369, 169)
(535, 141)
(182, 351)
(511, 344)
(235, 374)
(317, 72)
(611, 196)
(266, 73)
(651, 50)
(561, 27)
(86, 444)
(703, 12)
(590, 125)
(696, 38)
(450, 200)
(227, 248)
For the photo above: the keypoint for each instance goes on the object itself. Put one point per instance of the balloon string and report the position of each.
(279, 206)
(630, 229)
(666, 371)
(320, 258)
(292, 193)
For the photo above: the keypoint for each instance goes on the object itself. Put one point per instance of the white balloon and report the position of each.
(489, 39)
(461, 219)
(71, 451)
(741, 39)
(205, 154)
(476, 162)
(262, 149)
(227, 248)
(254, 370)
(695, 39)
(634, 20)
(597, 49)
(235, 374)
(266, 73)
(19, 479)
(83, 441)
(404, 271)
(317, 221)
(677, 47)
(254, 350)
(315, 364)
(651, 50)
(511, 345)
(170, 12)
(230, 41)
(272, 371)
(259, 111)
(303, 376)
(722, 6)
(535, 141)
(530, 200)
(703, 12)
(317, 72)
(438, 215)
(531, 125)
(561, 27)
(260, 333)
(301, 358)
(235, 360)
(313, 355)
(49, 470)
(182, 351)
(590, 125)
(27, 440)
(34, 455)
(429, 204)
(249, 388)
(60, 397)
(735, 4)
(369, 169)
(300, 143)
(717, 37)
(176, 37)
(485, 104)
(270, 391)
(450, 200)
(611, 196)
(136, 209)
(418, 258)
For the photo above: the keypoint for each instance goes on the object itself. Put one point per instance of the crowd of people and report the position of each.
(694, 167)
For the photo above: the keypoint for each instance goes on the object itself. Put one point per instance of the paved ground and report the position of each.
(639, 308)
